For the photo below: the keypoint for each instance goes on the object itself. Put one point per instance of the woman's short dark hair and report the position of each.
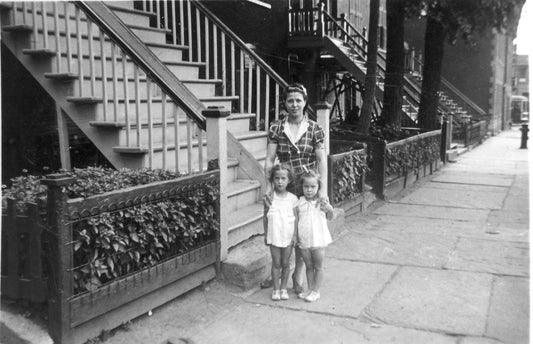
(295, 87)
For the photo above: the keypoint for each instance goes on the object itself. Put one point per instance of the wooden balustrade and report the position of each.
(77, 43)
(244, 76)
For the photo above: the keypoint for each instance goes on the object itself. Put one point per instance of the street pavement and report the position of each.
(445, 261)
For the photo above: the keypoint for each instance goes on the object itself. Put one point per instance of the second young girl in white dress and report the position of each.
(313, 233)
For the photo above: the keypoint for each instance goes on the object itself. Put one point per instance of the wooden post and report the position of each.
(444, 139)
(330, 178)
(217, 151)
(449, 131)
(62, 130)
(380, 165)
(344, 27)
(322, 117)
(38, 288)
(11, 288)
(60, 258)
(320, 25)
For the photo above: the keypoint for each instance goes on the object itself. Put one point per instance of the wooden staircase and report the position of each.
(337, 36)
(127, 110)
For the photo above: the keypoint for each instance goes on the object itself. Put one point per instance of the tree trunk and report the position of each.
(371, 67)
(433, 54)
(393, 95)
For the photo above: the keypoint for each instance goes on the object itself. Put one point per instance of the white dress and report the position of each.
(312, 225)
(281, 220)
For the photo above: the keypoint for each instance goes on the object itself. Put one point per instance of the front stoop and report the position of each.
(453, 154)
(249, 263)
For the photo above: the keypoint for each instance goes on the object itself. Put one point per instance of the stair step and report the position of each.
(131, 150)
(21, 28)
(167, 52)
(185, 70)
(65, 76)
(225, 102)
(39, 52)
(242, 192)
(247, 264)
(150, 34)
(239, 122)
(132, 16)
(245, 223)
(122, 4)
(201, 88)
(84, 100)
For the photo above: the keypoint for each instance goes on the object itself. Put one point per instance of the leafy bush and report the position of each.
(117, 243)
(114, 244)
(347, 173)
(409, 156)
(24, 189)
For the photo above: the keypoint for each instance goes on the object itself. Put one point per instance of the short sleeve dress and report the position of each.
(281, 220)
(313, 229)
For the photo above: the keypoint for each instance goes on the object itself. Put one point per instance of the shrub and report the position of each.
(114, 244)
(409, 156)
(347, 173)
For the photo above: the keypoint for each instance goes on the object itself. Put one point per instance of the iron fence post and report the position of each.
(380, 166)
(524, 138)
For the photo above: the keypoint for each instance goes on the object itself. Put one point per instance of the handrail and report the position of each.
(240, 43)
(414, 138)
(456, 91)
(108, 22)
(463, 97)
(346, 33)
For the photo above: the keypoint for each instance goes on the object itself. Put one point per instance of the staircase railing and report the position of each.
(318, 22)
(253, 84)
(117, 73)
(458, 97)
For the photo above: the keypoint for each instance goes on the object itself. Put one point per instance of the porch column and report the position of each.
(62, 130)
(322, 117)
(217, 157)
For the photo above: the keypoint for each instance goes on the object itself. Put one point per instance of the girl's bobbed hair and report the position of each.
(310, 174)
(280, 167)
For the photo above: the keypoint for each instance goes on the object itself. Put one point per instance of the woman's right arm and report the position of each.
(269, 163)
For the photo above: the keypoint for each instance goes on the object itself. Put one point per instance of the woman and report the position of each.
(299, 142)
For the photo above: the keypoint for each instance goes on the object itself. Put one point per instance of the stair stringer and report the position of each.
(81, 115)
(356, 70)
(249, 167)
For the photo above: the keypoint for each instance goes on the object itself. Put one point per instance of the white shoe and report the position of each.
(284, 294)
(313, 296)
(303, 295)
(276, 295)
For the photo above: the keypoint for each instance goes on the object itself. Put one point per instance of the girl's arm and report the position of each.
(295, 236)
(326, 207)
(265, 224)
(269, 163)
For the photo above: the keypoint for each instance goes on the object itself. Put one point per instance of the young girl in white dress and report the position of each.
(280, 229)
(313, 232)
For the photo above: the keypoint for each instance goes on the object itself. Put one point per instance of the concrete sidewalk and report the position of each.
(444, 262)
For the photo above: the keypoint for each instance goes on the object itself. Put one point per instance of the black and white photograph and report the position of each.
(265, 171)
